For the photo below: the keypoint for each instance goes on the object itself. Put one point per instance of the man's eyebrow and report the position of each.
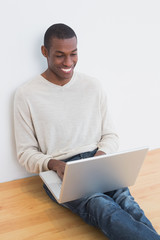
(75, 50)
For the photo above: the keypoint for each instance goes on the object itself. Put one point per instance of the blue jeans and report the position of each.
(116, 213)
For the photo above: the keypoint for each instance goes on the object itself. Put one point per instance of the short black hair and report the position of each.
(60, 31)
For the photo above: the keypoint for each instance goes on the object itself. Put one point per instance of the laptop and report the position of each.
(97, 174)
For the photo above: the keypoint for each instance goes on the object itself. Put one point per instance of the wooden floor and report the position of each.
(26, 212)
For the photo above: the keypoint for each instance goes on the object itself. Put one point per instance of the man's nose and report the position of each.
(67, 61)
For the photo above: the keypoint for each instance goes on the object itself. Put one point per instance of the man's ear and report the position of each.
(44, 51)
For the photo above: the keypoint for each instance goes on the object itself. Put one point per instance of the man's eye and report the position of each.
(59, 56)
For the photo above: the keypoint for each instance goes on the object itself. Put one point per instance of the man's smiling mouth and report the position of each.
(66, 70)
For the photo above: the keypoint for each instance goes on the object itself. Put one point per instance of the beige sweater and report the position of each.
(57, 122)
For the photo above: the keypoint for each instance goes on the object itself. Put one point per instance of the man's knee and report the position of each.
(100, 204)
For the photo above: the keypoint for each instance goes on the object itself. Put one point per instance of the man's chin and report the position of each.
(67, 76)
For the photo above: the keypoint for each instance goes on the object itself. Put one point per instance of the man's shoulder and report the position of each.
(28, 86)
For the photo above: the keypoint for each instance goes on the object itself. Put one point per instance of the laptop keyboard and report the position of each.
(59, 185)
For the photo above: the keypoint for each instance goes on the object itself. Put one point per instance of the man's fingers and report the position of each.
(60, 174)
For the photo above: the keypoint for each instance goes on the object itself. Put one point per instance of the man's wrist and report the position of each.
(99, 153)
(51, 164)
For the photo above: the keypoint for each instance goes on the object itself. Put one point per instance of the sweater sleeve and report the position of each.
(28, 151)
(109, 141)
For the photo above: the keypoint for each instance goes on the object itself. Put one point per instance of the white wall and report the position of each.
(118, 43)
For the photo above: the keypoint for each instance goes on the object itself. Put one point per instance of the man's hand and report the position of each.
(57, 166)
(98, 153)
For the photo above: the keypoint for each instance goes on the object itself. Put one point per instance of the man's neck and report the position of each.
(53, 79)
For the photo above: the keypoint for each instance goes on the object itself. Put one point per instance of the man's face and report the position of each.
(62, 58)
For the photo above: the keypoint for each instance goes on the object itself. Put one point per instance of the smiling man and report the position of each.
(62, 115)
(62, 57)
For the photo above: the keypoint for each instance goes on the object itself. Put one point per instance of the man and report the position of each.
(60, 116)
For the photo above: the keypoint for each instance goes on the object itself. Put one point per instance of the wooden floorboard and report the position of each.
(26, 212)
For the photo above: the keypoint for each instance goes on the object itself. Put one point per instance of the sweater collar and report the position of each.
(58, 86)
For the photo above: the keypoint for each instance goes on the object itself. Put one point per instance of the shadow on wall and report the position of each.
(11, 117)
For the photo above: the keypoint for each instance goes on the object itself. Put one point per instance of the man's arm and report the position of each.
(28, 151)
(109, 141)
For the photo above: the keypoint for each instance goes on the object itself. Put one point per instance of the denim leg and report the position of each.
(126, 201)
(82, 156)
(103, 212)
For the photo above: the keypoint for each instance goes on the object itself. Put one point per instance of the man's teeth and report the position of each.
(66, 70)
